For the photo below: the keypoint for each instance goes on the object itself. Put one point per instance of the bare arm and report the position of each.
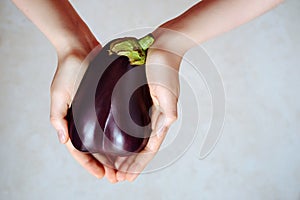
(72, 40)
(210, 18)
(203, 21)
(60, 23)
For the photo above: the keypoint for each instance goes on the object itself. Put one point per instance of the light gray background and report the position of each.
(256, 158)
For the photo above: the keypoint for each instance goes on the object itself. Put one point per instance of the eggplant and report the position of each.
(109, 113)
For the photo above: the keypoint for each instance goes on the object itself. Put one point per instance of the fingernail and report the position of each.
(61, 136)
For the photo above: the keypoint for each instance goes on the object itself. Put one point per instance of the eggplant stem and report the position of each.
(146, 42)
(132, 48)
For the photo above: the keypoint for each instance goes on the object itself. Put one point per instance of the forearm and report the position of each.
(60, 23)
(210, 18)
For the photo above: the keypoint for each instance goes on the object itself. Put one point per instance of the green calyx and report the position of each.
(132, 48)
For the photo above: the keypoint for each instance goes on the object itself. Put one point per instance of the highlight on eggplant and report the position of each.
(110, 110)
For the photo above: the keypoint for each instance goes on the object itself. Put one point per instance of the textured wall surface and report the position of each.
(257, 156)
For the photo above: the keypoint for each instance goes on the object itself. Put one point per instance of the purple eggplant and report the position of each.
(110, 110)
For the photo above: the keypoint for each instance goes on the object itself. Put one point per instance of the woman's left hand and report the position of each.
(162, 75)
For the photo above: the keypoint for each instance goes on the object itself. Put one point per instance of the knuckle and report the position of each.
(171, 117)
(54, 92)
(52, 119)
(88, 161)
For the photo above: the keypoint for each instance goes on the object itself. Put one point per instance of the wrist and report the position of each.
(78, 42)
(170, 37)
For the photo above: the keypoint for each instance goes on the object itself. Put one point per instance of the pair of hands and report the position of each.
(61, 24)
(162, 74)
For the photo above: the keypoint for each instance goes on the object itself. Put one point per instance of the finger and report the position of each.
(119, 161)
(155, 142)
(110, 174)
(58, 112)
(87, 161)
(160, 132)
(168, 104)
(123, 163)
(121, 174)
(144, 157)
(138, 165)
(109, 167)
(160, 123)
(167, 115)
(104, 160)
(154, 115)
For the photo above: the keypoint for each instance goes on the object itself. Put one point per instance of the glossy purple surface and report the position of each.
(93, 114)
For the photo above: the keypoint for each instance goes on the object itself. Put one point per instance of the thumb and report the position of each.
(58, 112)
(167, 106)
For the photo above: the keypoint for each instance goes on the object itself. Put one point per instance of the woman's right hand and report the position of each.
(69, 72)
(73, 41)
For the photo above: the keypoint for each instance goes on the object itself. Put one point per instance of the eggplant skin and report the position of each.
(91, 117)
